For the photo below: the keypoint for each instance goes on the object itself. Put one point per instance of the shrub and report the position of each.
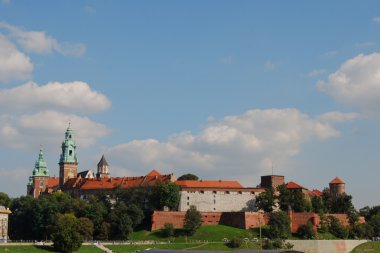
(337, 229)
(273, 244)
(279, 223)
(192, 221)
(235, 242)
(168, 230)
(306, 231)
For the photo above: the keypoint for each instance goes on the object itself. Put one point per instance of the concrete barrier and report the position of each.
(325, 246)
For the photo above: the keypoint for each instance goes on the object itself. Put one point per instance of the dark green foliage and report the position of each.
(265, 201)
(306, 231)
(192, 221)
(337, 229)
(166, 195)
(323, 223)
(293, 199)
(235, 242)
(121, 224)
(279, 225)
(86, 228)
(136, 215)
(374, 221)
(168, 230)
(104, 231)
(361, 231)
(188, 177)
(342, 204)
(4, 199)
(318, 205)
(66, 235)
(273, 244)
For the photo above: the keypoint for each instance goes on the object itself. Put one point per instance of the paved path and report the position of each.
(104, 249)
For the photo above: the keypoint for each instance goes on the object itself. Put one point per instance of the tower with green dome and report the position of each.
(40, 177)
(68, 162)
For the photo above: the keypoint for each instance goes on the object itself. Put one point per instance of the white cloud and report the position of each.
(316, 72)
(243, 145)
(76, 96)
(47, 128)
(41, 43)
(376, 20)
(14, 65)
(356, 83)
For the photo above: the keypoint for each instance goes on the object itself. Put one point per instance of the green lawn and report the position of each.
(43, 249)
(179, 246)
(372, 247)
(213, 233)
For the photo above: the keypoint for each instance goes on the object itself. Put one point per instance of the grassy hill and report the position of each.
(43, 249)
(373, 247)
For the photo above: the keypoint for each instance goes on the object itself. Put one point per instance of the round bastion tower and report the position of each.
(337, 187)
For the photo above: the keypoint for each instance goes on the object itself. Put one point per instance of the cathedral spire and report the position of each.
(68, 162)
(40, 167)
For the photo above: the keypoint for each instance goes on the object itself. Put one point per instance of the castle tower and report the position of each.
(103, 171)
(337, 187)
(68, 162)
(40, 178)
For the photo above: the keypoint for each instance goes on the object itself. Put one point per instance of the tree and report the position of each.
(342, 204)
(265, 200)
(4, 199)
(168, 230)
(374, 221)
(136, 215)
(121, 224)
(66, 235)
(306, 231)
(192, 221)
(235, 242)
(188, 177)
(166, 195)
(86, 228)
(318, 205)
(104, 231)
(279, 225)
(294, 198)
(336, 228)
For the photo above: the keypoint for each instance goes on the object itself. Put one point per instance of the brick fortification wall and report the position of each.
(243, 220)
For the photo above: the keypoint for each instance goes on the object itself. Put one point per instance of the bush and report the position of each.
(337, 229)
(192, 221)
(168, 230)
(66, 235)
(274, 244)
(235, 242)
(279, 223)
(306, 231)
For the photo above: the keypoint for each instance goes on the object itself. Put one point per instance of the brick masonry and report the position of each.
(243, 220)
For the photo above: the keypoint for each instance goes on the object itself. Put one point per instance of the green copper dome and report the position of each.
(40, 167)
(68, 154)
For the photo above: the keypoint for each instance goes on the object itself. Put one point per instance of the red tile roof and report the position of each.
(337, 180)
(208, 184)
(53, 182)
(292, 185)
(154, 173)
(316, 193)
(124, 182)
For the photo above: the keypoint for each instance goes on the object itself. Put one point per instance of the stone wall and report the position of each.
(220, 200)
(244, 220)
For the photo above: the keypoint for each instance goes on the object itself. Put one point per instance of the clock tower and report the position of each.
(68, 162)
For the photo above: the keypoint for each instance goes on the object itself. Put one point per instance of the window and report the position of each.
(70, 152)
(214, 201)
(188, 203)
(240, 192)
(202, 192)
(41, 184)
(188, 198)
(227, 192)
(214, 192)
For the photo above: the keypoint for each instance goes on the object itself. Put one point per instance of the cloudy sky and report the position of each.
(222, 89)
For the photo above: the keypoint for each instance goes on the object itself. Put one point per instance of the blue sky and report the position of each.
(222, 89)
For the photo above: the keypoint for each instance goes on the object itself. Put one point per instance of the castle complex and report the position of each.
(206, 195)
